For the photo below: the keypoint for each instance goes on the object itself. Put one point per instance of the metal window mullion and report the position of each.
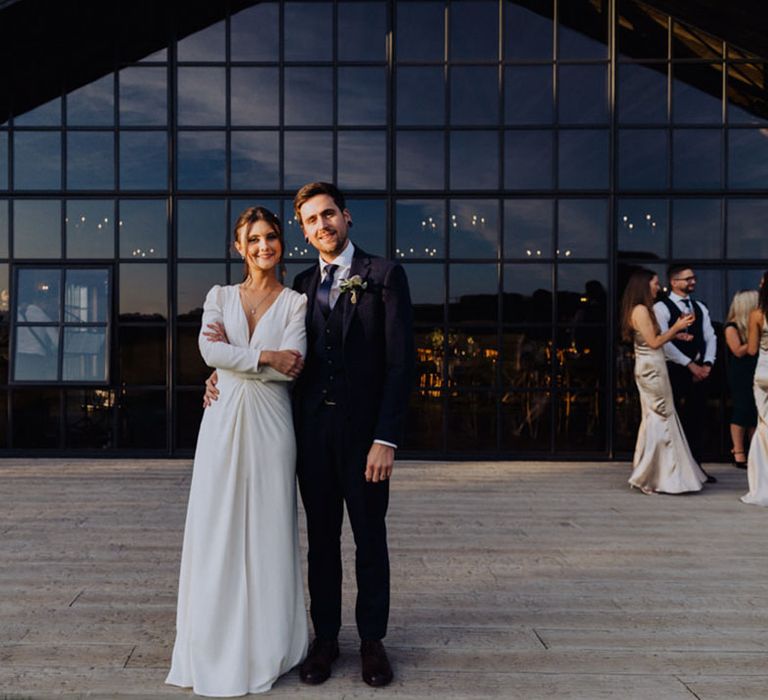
(612, 229)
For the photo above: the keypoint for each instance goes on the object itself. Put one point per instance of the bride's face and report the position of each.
(260, 245)
(655, 286)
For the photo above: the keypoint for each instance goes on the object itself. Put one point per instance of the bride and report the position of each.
(241, 620)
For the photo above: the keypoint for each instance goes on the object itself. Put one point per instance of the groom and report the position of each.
(350, 403)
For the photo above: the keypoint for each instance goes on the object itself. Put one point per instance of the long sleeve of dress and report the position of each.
(294, 338)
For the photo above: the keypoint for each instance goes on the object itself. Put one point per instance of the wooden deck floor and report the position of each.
(511, 580)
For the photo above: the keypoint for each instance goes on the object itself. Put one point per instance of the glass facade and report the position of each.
(517, 157)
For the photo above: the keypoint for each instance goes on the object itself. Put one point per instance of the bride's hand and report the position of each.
(687, 337)
(288, 362)
(217, 334)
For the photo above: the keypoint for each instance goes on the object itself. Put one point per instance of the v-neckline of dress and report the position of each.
(261, 318)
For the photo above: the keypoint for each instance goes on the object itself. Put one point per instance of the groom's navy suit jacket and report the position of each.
(378, 349)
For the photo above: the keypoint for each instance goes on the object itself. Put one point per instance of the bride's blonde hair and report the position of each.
(743, 302)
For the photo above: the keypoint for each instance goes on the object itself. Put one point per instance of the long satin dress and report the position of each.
(757, 461)
(241, 620)
(663, 461)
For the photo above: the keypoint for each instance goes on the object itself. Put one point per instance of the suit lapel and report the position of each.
(361, 262)
(311, 292)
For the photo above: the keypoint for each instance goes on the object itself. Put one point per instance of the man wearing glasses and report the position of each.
(689, 361)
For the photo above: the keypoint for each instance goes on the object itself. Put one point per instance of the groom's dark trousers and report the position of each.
(354, 389)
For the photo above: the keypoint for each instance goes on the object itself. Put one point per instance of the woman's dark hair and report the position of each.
(762, 299)
(249, 217)
(637, 291)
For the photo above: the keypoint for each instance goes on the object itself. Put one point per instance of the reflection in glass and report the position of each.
(709, 288)
(528, 30)
(90, 225)
(143, 292)
(474, 30)
(583, 159)
(747, 158)
(362, 31)
(362, 96)
(93, 104)
(697, 93)
(528, 96)
(582, 228)
(473, 292)
(424, 419)
(37, 414)
(190, 366)
(583, 94)
(255, 160)
(85, 357)
(583, 29)
(143, 96)
(419, 229)
(48, 114)
(90, 160)
(472, 357)
(643, 159)
(642, 228)
(420, 34)
(143, 228)
(474, 228)
(201, 160)
(37, 160)
(747, 99)
(746, 228)
(474, 95)
(86, 296)
(471, 421)
(526, 421)
(254, 33)
(202, 229)
(696, 228)
(193, 281)
(3, 160)
(580, 421)
(642, 93)
(37, 353)
(37, 345)
(255, 96)
(296, 247)
(362, 159)
(692, 42)
(475, 160)
(308, 96)
(696, 155)
(528, 160)
(581, 292)
(370, 224)
(420, 160)
(527, 298)
(204, 45)
(189, 413)
(143, 160)
(641, 30)
(89, 418)
(142, 419)
(304, 23)
(742, 279)
(36, 229)
(528, 226)
(308, 157)
(420, 96)
(201, 96)
(4, 229)
(427, 286)
(39, 294)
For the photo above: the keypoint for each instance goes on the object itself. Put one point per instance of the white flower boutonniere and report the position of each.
(354, 285)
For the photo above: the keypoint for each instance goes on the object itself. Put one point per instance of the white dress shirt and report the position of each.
(710, 341)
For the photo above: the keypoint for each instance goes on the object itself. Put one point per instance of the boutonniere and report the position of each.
(354, 285)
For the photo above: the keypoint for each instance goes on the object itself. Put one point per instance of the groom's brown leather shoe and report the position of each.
(376, 669)
(316, 668)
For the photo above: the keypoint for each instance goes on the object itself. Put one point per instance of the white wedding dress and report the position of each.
(757, 467)
(241, 620)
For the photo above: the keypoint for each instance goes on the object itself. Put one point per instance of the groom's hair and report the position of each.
(676, 268)
(312, 190)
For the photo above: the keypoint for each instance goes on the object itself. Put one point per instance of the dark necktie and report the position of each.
(687, 303)
(324, 290)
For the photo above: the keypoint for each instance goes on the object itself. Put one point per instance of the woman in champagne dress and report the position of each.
(241, 620)
(662, 462)
(757, 461)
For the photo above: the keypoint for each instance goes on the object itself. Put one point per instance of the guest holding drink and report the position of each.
(663, 461)
(757, 462)
(740, 366)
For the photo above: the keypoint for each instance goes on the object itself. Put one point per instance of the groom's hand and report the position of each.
(381, 459)
(211, 392)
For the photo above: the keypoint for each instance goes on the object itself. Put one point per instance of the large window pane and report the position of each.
(746, 228)
(370, 224)
(424, 420)
(191, 368)
(204, 45)
(583, 94)
(85, 356)
(39, 295)
(3, 160)
(308, 31)
(37, 353)
(474, 228)
(143, 160)
(473, 354)
(37, 160)
(308, 157)
(475, 160)
(89, 418)
(697, 93)
(528, 95)
(528, 30)
(474, 30)
(362, 31)
(254, 33)
(583, 159)
(93, 104)
(36, 229)
(36, 418)
(419, 229)
(362, 160)
(528, 227)
(427, 287)
(194, 280)
(90, 160)
(308, 96)
(642, 93)
(420, 160)
(583, 29)
(362, 96)
(474, 95)
(143, 228)
(697, 158)
(142, 351)
(255, 96)
(202, 231)
(420, 34)
(255, 160)
(202, 160)
(747, 99)
(528, 159)
(201, 96)
(642, 228)
(696, 227)
(143, 96)
(473, 293)
(420, 96)
(693, 42)
(527, 298)
(747, 158)
(643, 159)
(86, 296)
(582, 228)
(526, 420)
(581, 292)
(3, 228)
(641, 30)
(37, 346)
(471, 421)
(143, 292)
(48, 114)
(142, 419)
